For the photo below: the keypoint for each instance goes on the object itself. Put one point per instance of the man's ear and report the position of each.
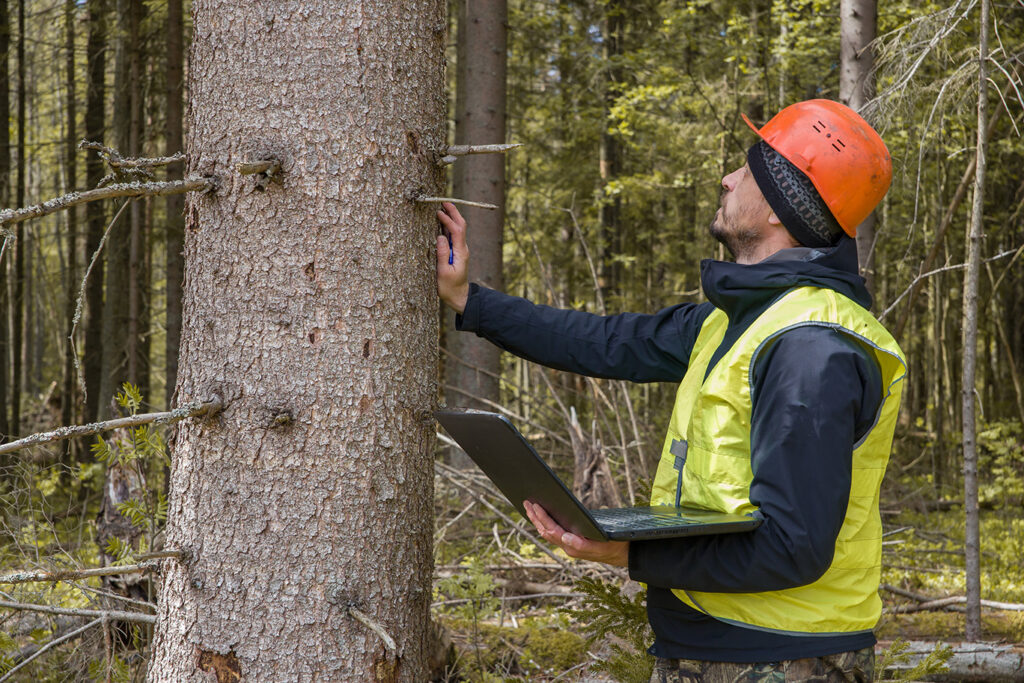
(773, 219)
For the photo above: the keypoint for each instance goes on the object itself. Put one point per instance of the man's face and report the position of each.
(743, 216)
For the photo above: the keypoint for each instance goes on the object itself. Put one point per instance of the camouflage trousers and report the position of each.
(855, 667)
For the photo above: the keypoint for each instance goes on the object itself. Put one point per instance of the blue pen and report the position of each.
(451, 250)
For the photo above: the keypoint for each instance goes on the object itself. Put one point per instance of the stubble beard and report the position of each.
(738, 241)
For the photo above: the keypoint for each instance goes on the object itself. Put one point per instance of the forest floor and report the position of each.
(513, 613)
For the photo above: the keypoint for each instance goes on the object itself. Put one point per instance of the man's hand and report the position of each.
(452, 268)
(610, 552)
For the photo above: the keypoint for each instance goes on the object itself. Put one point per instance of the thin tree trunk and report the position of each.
(18, 299)
(175, 227)
(5, 199)
(95, 212)
(473, 364)
(857, 27)
(137, 370)
(610, 158)
(972, 541)
(118, 335)
(67, 406)
(307, 505)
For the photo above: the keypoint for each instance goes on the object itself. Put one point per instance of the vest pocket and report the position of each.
(678, 449)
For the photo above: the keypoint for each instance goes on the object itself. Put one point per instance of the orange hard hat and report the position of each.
(838, 151)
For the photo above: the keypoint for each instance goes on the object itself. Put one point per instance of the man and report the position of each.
(788, 396)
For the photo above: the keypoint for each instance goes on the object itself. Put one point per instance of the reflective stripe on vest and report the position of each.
(710, 427)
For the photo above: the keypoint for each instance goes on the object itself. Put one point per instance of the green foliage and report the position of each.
(897, 656)
(471, 590)
(1000, 446)
(116, 670)
(607, 611)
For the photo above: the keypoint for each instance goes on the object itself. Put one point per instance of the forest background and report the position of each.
(628, 115)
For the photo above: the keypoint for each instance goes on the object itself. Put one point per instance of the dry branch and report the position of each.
(452, 200)
(365, 619)
(926, 603)
(159, 189)
(74, 574)
(194, 409)
(75, 612)
(456, 151)
(269, 167)
(114, 158)
(53, 643)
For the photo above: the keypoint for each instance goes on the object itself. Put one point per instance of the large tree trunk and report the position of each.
(857, 27)
(473, 364)
(309, 307)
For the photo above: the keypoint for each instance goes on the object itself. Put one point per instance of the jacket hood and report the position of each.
(739, 290)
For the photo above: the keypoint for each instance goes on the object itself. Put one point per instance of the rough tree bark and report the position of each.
(857, 27)
(473, 364)
(309, 307)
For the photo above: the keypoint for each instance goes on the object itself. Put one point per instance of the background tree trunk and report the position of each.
(473, 364)
(5, 199)
(71, 282)
(117, 330)
(857, 27)
(175, 220)
(18, 298)
(310, 309)
(95, 212)
(972, 542)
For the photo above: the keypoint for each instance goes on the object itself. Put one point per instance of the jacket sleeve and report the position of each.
(630, 346)
(816, 393)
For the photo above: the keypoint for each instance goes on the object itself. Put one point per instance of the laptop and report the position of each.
(508, 459)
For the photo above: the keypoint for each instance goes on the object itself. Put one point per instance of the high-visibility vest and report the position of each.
(705, 463)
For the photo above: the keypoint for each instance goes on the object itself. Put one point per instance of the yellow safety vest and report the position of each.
(705, 463)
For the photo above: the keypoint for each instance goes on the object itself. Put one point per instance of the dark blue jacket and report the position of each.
(801, 490)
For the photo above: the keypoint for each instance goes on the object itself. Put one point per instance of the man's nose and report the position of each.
(730, 181)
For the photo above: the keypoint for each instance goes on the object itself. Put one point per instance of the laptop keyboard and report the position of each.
(637, 518)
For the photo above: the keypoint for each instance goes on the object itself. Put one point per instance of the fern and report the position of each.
(119, 550)
(101, 450)
(607, 612)
(136, 512)
(897, 655)
(130, 398)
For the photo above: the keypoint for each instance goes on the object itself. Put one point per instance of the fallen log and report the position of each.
(989, 662)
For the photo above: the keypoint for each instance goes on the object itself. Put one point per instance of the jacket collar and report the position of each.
(740, 290)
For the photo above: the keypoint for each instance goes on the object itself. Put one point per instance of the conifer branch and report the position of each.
(194, 409)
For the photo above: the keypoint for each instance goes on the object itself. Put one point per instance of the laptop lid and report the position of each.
(508, 459)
